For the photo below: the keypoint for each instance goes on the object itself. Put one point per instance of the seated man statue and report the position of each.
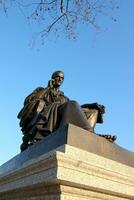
(47, 109)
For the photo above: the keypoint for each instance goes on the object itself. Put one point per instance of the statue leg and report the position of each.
(71, 112)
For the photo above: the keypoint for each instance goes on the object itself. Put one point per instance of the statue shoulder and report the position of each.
(34, 94)
(38, 89)
(62, 95)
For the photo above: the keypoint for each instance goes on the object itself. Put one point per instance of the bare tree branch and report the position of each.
(63, 15)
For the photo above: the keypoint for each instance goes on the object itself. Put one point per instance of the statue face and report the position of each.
(58, 80)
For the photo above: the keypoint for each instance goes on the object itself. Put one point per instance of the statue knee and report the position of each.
(73, 103)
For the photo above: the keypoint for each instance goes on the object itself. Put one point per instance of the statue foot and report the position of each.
(110, 138)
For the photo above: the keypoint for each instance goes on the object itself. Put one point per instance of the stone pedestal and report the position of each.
(66, 173)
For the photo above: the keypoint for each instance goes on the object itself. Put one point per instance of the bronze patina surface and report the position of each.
(47, 109)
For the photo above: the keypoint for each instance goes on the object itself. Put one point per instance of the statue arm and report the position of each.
(28, 102)
(32, 104)
(33, 95)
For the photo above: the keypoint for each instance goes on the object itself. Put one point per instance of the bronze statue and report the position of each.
(47, 109)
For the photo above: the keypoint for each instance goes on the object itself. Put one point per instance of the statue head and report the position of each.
(58, 78)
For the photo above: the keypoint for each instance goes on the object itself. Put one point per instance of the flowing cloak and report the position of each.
(41, 108)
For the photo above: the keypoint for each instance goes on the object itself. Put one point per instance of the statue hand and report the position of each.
(101, 108)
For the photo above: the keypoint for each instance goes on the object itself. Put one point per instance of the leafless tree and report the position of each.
(62, 16)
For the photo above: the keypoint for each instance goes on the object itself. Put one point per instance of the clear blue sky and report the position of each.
(99, 67)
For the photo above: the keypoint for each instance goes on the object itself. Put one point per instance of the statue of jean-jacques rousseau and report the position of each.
(47, 109)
